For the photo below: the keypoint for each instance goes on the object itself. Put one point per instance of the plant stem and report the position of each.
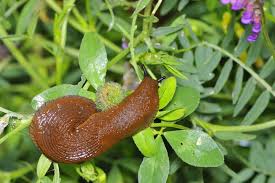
(156, 7)
(147, 23)
(110, 44)
(186, 49)
(22, 60)
(220, 128)
(24, 124)
(118, 57)
(20, 172)
(169, 125)
(125, 52)
(14, 114)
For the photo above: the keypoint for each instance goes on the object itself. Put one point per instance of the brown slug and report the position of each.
(71, 130)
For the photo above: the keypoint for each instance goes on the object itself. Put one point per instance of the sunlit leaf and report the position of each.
(56, 177)
(167, 91)
(155, 168)
(59, 91)
(93, 59)
(43, 166)
(186, 98)
(145, 142)
(172, 115)
(195, 148)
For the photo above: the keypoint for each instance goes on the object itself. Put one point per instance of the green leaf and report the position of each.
(259, 179)
(59, 91)
(268, 68)
(271, 180)
(169, 39)
(243, 43)
(175, 72)
(141, 5)
(43, 166)
(243, 176)
(238, 85)
(211, 5)
(209, 65)
(173, 115)
(224, 75)
(257, 156)
(209, 108)
(182, 4)
(164, 31)
(93, 59)
(115, 175)
(167, 6)
(160, 58)
(56, 177)
(257, 109)
(185, 98)
(44, 180)
(32, 26)
(245, 96)
(155, 168)
(167, 91)
(195, 148)
(234, 136)
(145, 142)
(29, 11)
(254, 51)
(202, 54)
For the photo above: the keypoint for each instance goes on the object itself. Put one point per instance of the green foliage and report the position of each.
(195, 148)
(167, 91)
(145, 142)
(216, 105)
(93, 59)
(59, 91)
(155, 168)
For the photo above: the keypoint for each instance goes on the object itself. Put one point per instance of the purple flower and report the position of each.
(252, 14)
(252, 37)
(225, 1)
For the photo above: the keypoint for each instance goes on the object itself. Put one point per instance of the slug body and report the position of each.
(71, 130)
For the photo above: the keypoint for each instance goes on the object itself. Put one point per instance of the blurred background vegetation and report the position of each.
(39, 49)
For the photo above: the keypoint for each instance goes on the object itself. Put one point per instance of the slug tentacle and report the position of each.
(71, 130)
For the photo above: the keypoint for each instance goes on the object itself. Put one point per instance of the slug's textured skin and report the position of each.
(70, 130)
